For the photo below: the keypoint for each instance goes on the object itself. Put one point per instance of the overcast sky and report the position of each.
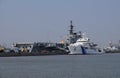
(44, 20)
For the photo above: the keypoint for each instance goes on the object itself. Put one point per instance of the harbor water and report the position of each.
(61, 66)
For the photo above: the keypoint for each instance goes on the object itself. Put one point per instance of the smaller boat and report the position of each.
(113, 48)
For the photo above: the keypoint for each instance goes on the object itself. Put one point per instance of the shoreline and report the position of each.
(32, 54)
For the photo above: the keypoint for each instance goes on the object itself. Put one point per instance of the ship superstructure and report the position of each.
(73, 36)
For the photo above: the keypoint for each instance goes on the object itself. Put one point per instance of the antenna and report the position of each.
(71, 27)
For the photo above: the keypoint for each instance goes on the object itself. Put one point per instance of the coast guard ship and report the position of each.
(80, 44)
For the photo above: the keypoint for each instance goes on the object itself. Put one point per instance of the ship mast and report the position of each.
(71, 28)
(72, 35)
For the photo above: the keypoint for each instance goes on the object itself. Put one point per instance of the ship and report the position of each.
(76, 43)
(80, 44)
(113, 48)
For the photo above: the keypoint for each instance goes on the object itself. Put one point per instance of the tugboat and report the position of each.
(79, 44)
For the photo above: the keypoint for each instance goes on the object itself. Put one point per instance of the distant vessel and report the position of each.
(113, 48)
(79, 44)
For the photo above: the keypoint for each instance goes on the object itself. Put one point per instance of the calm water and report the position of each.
(61, 66)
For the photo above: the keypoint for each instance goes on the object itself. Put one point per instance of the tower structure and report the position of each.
(71, 28)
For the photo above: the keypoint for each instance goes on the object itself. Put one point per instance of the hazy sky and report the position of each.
(44, 20)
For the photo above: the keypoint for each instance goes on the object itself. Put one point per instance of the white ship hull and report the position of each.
(81, 50)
